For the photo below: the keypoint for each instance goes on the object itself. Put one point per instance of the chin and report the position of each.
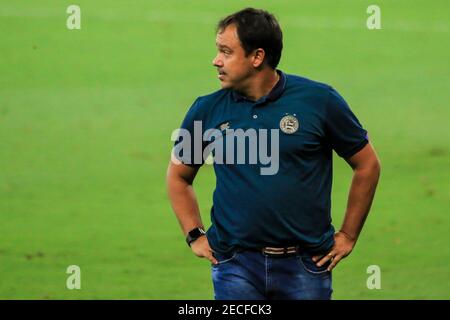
(225, 85)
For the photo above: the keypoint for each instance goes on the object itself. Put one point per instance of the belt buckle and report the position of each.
(279, 252)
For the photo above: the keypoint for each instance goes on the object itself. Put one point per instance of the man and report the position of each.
(271, 235)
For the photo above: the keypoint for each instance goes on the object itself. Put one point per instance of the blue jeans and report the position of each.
(251, 275)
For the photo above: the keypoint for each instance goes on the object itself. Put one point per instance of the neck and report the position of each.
(260, 84)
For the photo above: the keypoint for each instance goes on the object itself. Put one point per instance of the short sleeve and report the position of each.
(188, 147)
(344, 131)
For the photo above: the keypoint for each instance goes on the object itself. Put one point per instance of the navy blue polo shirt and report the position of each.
(292, 206)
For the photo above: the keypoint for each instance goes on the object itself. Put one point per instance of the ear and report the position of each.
(258, 57)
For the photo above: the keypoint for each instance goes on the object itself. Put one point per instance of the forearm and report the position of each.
(362, 192)
(184, 204)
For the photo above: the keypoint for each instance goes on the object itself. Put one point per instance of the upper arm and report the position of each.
(187, 154)
(342, 128)
(180, 171)
(366, 158)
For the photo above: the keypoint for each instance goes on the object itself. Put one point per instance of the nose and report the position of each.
(217, 62)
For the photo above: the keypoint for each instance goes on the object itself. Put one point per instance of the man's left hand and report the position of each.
(343, 246)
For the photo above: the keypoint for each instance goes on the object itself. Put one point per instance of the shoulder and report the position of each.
(209, 100)
(295, 82)
(318, 94)
(204, 104)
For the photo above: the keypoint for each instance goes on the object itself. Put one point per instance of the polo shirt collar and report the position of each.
(273, 95)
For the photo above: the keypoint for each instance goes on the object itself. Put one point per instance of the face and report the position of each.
(233, 67)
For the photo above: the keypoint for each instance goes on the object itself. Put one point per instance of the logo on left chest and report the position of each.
(224, 126)
(289, 124)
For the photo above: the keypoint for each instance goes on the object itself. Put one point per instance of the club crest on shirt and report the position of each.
(289, 124)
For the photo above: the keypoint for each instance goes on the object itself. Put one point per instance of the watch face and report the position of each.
(197, 232)
(194, 235)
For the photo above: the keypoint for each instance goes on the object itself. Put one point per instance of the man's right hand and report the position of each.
(202, 249)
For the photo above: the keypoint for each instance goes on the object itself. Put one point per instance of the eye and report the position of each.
(225, 51)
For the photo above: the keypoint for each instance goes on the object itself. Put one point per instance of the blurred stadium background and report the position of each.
(86, 118)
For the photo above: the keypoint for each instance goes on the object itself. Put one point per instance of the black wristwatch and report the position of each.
(194, 234)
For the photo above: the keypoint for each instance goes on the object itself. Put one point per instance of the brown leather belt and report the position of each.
(280, 252)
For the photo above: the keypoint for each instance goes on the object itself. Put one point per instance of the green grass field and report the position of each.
(85, 123)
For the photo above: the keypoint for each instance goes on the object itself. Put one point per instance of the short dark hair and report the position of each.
(257, 29)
